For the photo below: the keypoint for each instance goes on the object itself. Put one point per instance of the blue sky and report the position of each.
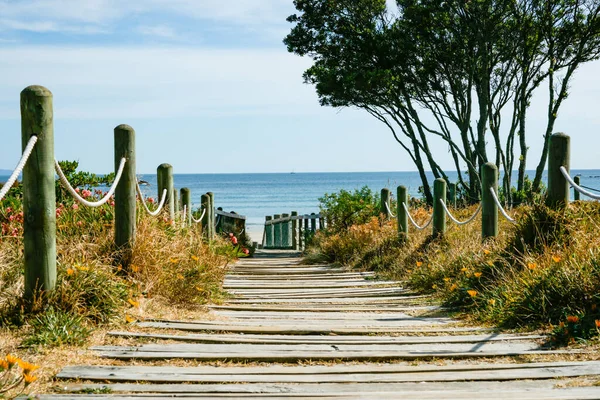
(209, 87)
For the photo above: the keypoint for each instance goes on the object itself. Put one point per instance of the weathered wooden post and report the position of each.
(300, 233)
(402, 195)
(176, 201)
(321, 222)
(558, 156)
(306, 229)
(576, 194)
(385, 203)
(39, 196)
(205, 203)
(268, 232)
(452, 193)
(125, 195)
(285, 232)
(439, 214)
(313, 223)
(165, 181)
(295, 230)
(186, 201)
(277, 232)
(489, 208)
(212, 221)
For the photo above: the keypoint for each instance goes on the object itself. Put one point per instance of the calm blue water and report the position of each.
(257, 195)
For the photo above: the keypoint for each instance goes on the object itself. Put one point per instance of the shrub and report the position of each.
(344, 209)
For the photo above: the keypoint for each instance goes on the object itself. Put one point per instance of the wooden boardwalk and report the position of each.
(295, 332)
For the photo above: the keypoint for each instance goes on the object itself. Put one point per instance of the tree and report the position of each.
(447, 70)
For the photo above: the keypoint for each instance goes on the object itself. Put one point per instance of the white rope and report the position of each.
(241, 232)
(502, 210)
(413, 221)
(576, 186)
(19, 168)
(197, 221)
(389, 211)
(76, 196)
(160, 205)
(457, 222)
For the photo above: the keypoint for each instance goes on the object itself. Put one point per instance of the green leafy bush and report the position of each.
(344, 209)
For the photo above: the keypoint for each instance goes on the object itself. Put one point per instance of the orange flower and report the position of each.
(133, 302)
(597, 323)
(27, 367)
(556, 259)
(572, 319)
(135, 268)
(3, 365)
(464, 269)
(70, 271)
(472, 293)
(29, 379)
(129, 319)
(419, 263)
(532, 266)
(486, 252)
(12, 360)
(180, 277)
(561, 324)
(478, 274)
(453, 287)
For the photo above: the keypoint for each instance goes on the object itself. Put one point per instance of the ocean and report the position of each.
(258, 195)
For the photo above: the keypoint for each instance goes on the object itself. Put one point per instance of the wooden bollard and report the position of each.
(439, 214)
(385, 203)
(165, 181)
(558, 156)
(576, 194)
(205, 203)
(402, 195)
(306, 230)
(212, 221)
(285, 232)
(452, 194)
(125, 195)
(489, 208)
(277, 232)
(176, 201)
(321, 223)
(300, 233)
(39, 196)
(313, 223)
(294, 230)
(186, 201)
(268, 233)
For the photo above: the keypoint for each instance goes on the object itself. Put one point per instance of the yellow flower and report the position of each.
(446, 279)
(453, 287)
(477, 274)
(133, 302)
(29, 379)
(82, 268)
(490, 263)
(27, 367)
(180, 277)
(409, 271)
(135, 268)
(174, 260)
(119, 267)
(556, 259)
(70, 271)
(12, 360)
(434, 287)
(129, 319)
(492, 302)
(3, 365)
(472, 293)
(195, 258)
(532, 266)
(486, 252)
(464, 269)
(419, 263)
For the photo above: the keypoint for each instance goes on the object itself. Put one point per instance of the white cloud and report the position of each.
(162, 31)
(157, 82)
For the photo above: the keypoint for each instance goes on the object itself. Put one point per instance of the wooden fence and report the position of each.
(290, 231)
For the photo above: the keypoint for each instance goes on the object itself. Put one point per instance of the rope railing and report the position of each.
(387, 206)
(454, 219)
(199, 220)
(412, 221)
(161, 204)
(63, 179)
(19, 168)
(502, 210)
(577, 187)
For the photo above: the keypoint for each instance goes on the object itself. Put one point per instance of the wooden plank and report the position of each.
(327, 308)
(350, 291)
(303, 285)
(159, 376)
(316, 356)
(306, 329)
(340, 300)
(230, 215)
(307, 315)
(350, 323)
(314, 339)
(290, 371)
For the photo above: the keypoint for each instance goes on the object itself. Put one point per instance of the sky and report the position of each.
(208, 87)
